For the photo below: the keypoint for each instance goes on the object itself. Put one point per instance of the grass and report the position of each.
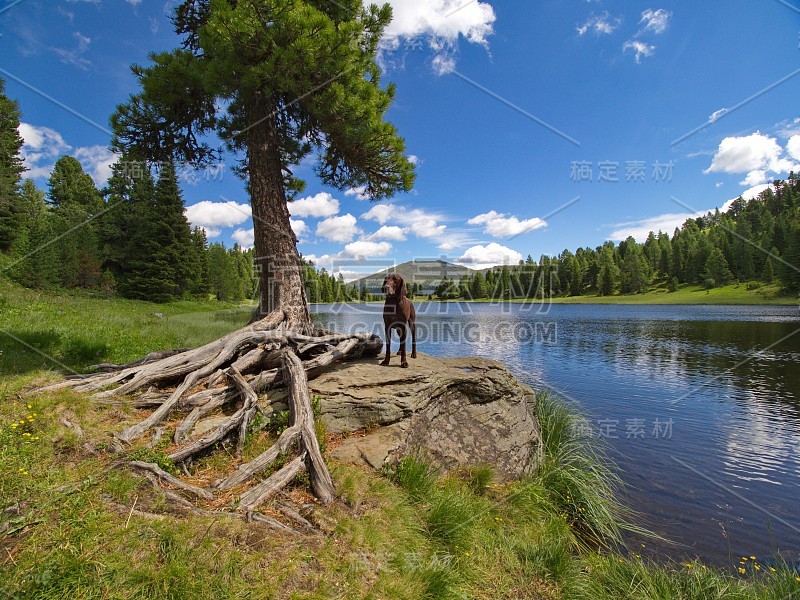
(749, 293)
(40, 331)
(736, 294)
(412, 532)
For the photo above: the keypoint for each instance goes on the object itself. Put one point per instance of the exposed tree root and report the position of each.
(229, 374)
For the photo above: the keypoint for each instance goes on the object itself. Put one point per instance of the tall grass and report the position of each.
(577, 477)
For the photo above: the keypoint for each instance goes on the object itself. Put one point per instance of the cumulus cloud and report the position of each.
(667, 223)
(438, 25)
(416, 221)
(756, 155)
(380, 213)
(490, 255)
(41, 147)
(339, 229)
(359, 192)
(389, 232)
(599, 24)
(320, 205)
(656, 21)
(499, 225)
(365, 249)
(414, 159)
(244, 237)
(793, 147)
(426, 227)
(640, 49)
(299, 227)
(213, 216)
(96, 161)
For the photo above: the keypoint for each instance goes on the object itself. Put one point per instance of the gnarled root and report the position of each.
(232, 371)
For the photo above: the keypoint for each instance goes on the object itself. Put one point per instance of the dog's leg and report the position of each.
(385, 362)
(413, 325)
(403, 334)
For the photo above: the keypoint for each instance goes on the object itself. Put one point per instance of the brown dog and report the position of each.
(397, 313)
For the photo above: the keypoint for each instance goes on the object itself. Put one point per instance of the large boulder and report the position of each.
(455, 412)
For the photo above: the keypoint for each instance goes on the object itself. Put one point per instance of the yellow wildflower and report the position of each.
(758, 568)
(772, 569)
(752, 558)
(741, 570)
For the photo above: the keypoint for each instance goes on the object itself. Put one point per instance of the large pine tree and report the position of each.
(294, 77)
(11, 169)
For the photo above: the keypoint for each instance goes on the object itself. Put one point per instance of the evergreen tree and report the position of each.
(716, 270)
(198, 265)
(296, 76)
(11, 169)
(38, 261)
(75, 200)
(158, 261)
(478, 286)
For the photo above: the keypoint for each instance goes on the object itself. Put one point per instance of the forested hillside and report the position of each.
(754, 242)
(130, 238)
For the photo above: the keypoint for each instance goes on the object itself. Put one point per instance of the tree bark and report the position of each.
(277, 260)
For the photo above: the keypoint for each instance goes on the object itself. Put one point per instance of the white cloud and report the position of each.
(380, 213)
(490, 255)
(299, 227)
(389, 232)
(212, 216)
(438, 24)
(359, 192)
(365, 249)
(756, 154)
(414, 159)
(656, 21)
(42, 146)
(320, 205)
(640, 48)
(134, 3)
(244, 237)
(96, 161)
(499, 225)
(339, 229)
(417, 221)
(426, 227)
(756, 177)
(599, 24)
(793, 147)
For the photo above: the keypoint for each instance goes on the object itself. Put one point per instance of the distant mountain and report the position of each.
(425, 273)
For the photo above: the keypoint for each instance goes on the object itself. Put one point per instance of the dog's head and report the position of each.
(394, 286)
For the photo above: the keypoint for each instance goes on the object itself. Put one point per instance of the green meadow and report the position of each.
(75, 523)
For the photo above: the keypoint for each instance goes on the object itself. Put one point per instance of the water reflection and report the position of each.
(726, 379)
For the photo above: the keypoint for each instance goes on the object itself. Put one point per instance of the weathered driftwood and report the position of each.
(230, 371)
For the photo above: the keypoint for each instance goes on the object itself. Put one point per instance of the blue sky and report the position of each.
(535, 126)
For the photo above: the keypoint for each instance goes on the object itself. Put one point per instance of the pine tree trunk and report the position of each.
(277, 260)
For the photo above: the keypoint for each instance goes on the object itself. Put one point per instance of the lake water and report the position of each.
(700, 405)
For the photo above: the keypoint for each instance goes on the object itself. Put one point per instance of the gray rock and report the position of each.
(455, 412)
